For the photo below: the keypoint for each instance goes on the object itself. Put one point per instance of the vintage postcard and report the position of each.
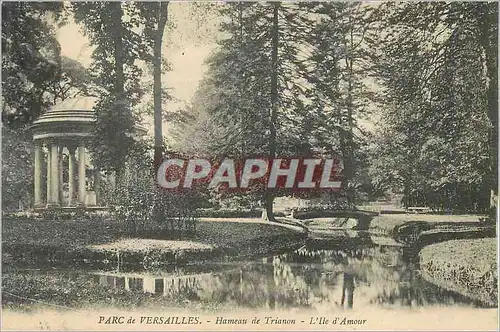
(229, 166)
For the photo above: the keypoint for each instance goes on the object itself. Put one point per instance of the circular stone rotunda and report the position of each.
(62, 135)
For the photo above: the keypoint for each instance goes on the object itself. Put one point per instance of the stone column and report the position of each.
(54, 175)
(49, 172)
(71, 175)
(97, 185)
(111, 177)
(38, 174)
(81, 175)
(60, 174)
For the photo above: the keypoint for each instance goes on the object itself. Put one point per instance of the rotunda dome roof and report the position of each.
(79, 109)
(74, 117)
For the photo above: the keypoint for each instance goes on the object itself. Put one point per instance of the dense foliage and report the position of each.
(286, 79)
(17, 162)
(145, 208)
(115, 73)
(279, 86)
(34, 73)
(437, 65)
(425, 73)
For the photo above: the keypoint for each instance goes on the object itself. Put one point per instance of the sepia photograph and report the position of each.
(249, 165)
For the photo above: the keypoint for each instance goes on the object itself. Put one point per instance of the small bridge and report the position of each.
(362, 217)
(417, 209)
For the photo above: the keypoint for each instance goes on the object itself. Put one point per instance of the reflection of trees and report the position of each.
(271, 284)
(413, 291)
(291, 285)
(320, 268)
(304, 277)
(184, 287)
(348, 287)
(271, 278)
(383, 269)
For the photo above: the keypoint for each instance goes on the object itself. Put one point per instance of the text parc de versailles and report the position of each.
(268, 320)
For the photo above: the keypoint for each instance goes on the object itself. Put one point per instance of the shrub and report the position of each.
(148, 210)
(337, 206)
(176, 211)
(234, 213)
(230, 213)
(21, 215)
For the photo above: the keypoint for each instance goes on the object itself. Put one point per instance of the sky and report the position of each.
(189, 40)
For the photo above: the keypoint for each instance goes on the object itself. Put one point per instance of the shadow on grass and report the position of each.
(55, 242)
(81, 233)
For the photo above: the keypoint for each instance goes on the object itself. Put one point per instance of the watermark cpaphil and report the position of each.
(296, 173)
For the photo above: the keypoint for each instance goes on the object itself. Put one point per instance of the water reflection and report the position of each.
(348, 286)
(165, 286)
(347, 276)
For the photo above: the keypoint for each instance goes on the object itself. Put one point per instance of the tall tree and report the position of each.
(111, 27)
(336, 69)
(30, 59)
(269, 196)
(71, 80)
(252, 88)
(293, 72)
(154, 17)
(434, 66)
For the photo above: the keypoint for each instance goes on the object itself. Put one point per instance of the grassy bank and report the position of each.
(386, 224)
(468, 267)
(107, 241)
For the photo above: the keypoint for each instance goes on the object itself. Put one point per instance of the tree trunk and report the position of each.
(120, 103)
(269, 194)
(119, 56)
(347, 136)
(488, 21)
(157, 95)
(158, 145)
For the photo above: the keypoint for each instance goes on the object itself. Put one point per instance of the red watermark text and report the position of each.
(292, 173)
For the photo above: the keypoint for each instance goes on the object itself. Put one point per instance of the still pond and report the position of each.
(353, 273)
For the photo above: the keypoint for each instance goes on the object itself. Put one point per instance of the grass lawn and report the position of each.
(468, 267)
(386, 223)
(109, 236)
(215, 238)
(210, 231)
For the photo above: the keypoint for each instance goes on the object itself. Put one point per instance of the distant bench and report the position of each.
(417, 209)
